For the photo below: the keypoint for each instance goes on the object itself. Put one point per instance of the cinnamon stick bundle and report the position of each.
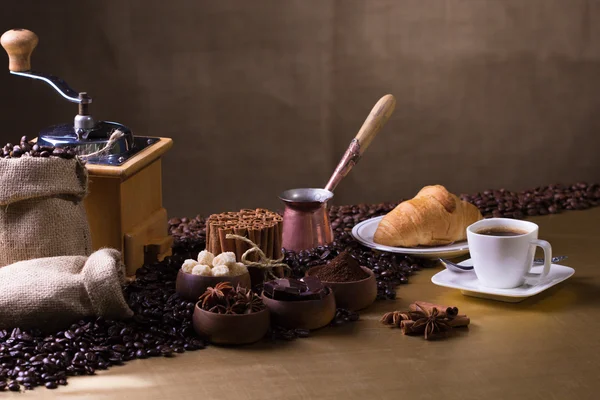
(260, 225)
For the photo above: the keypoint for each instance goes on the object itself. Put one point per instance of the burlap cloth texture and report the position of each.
(41, 209)
(50, 293)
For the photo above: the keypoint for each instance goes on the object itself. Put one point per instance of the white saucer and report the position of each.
(364, 232)
(468, 284)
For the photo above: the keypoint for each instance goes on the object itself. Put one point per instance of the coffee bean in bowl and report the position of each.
(354, 287)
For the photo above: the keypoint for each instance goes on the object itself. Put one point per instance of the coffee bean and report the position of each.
(51, 385)
(166, 352)
(119, 348)
(302, 333)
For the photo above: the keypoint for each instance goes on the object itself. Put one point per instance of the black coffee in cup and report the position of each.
(501, 231)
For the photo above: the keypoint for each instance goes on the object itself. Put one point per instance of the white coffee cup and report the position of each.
(503, 262)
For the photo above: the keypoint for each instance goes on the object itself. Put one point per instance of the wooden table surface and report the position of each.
(546, 347)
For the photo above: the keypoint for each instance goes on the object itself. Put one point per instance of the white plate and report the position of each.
(364, 232)
(468, 284)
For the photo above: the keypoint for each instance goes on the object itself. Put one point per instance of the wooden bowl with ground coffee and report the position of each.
(354, 287)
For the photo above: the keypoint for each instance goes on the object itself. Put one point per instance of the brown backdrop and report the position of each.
(261, 95)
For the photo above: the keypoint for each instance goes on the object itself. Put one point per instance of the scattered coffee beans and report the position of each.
(34, 150)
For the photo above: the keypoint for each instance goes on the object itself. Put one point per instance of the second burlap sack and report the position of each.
(50, 293)
(41, 209)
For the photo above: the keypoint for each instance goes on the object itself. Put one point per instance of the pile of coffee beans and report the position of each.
(189, 234)
(161, 327)
(34, 150)
(394, 269)
(543, 200)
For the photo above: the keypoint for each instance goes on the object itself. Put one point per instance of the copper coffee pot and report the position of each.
(305, 219)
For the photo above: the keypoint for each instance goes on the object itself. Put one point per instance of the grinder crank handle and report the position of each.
(379, 115)
(19, 44)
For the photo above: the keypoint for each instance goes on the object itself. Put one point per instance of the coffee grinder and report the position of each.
(124, 207)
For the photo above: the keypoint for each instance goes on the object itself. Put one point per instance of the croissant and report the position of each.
(433, 217)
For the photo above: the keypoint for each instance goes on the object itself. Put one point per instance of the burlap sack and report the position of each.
(50, 293)
(41, 209)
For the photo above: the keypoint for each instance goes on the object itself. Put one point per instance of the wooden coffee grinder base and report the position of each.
(124, 207)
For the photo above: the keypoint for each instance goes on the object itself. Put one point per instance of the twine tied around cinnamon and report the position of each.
(263, 262)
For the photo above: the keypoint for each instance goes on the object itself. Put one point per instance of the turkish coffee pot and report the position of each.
(306, 221)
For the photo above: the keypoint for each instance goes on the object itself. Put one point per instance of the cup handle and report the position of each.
(547, 261)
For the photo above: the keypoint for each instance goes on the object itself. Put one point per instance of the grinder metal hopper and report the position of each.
(125, 203)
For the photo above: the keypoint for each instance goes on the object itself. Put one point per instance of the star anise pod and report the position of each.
(432, 324)
(214, 295)
(256, 303)
(249, 300)
(219, 309)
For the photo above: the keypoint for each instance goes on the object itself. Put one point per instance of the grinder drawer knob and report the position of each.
(19, 44)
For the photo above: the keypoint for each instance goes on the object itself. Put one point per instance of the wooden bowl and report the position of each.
(302, 314)
(351, 295)
(190, 287)
(231, 328)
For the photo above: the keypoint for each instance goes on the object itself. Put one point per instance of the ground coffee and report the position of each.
(343, 268)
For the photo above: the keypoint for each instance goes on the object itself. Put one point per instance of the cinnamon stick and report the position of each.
(264, 238)
(278, 237)
(428, 308)
(270, 238)
(406, 326)
(207, 234)
(215, 244)
(459, 321)
(226, 244)
(252, 235)
(240, 246)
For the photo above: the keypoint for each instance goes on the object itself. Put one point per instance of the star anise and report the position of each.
(223, 299)
(219, 309)
(211, 297)
(431, 323)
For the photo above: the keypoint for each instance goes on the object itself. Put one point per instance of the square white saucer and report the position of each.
(468, 284)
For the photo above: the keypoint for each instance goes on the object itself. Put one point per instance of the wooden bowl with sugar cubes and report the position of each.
(195, 276)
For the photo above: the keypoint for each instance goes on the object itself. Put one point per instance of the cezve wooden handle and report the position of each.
(19, 44)
(379, 115)
(373, 124)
